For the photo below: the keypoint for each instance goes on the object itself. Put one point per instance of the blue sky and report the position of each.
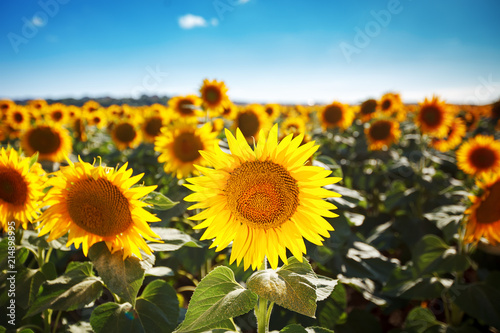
(282, 51)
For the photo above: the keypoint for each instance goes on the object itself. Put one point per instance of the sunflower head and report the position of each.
(56, 113)
(125, 135)
(96, 203)
(18, 118)
(480, 155)
(495, 111)
(90, 106)
(263, 200)
(382, 133)
(336, 115)
(180, 146)
(367, 109)
(151, 126)
(213, 95)
(52, 142)
(250, 120)
(454, 138)
(97, 118)
(293, 125)
(229, 111)
(38, 104)
(434, 117)
(21, 188)
(183, 107)
(272, 111)
(5, 105)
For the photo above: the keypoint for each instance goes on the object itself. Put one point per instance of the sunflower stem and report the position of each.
(261, 311)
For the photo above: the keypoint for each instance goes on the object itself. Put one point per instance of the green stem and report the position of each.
(261, 310)
(35, 327)
(56, 322)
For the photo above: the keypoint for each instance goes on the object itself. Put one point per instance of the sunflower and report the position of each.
(213, 95)
(38, 104)
(367, 109)
(293, 125)
(217, 125)
(21, 188)
(90, 106)
(480, 155)
(483, 218)
(151, 126)
(56, 114)
(5, 105)
(382, 133)
(455, 135)
(185, 106)
(97, 204)
(263, 200)
(434, 118)
(97, 118)
(18, 118)
(389, 104)
(125, 135)
(52, 143)
(229, 111)
(250, 120)
(272, 111)
(180, 147)
(336, 115)
(495, 112)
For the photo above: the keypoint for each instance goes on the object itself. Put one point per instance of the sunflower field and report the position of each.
(205, 215)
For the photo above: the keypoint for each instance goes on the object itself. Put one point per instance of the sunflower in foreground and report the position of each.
(263, 200)
(434, 118)
(382, 133)
(21, 188)
(180, 147)
(97, 204)
(336, 115)
(455, 135)
(52, 143)
(483, 218)
(480, 155)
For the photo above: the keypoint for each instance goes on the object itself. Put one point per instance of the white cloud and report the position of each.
(190, 21)
(214, 22)
(38, 21)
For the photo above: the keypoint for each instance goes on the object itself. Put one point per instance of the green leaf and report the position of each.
(333, 310)
(122, 277)
(160, 271)
(158, 307)
(296, 328)
(216, 299)
(30, 280)
(159, 201)
(33, 159)
(479, 300)
(173, 239)
(419, 320)
(289, 287)
(112, 317)
(70, 291)
(418, 289)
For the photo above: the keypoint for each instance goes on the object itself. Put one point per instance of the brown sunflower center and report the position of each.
(153, 126)
(368, 106)
(269, 111)
(489, 210)
(386, 104)
(482, 158)
(380, 130)
(186, 147)
(125, 132)
(431, 116)
(44, 140)
(333, 114)
(262, 194)
(13, 188)
(212, 95)
(18, 117)
(99, 207)
(249, 124)
(186, 107)
(57, 115)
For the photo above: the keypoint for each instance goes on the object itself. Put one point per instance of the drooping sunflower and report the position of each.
(479, 155)
(455, 136)
(52, 142)
(382, 133)
(97, 204)
(483, 217)
(180, 147)
(21, 189)
(213, 95)
(434, 117)
(336, 115)
(18, 118)
(185, 107)
(251, 120)
(263, 200)
(368, 109)
(125, 135)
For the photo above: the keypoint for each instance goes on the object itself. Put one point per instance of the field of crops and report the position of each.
(203, 215)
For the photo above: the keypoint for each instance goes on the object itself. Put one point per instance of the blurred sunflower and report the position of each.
(367, 109)
(213, 95)
(251, 120)
(272, 111)
(434, 117)
(185, 107)
(152, 124)
(97, 204)
(52, 142)
(382, 133)
(470, 115)
(37, 104)
(293, 125)
(495, 112)
(263, 200)
(5, 105)
(336, 115)
(97, 118)
(389, 104)
(479, 155)
(483, 217)
(229, 111)
(21, 189)
(125, 135)
(217, 125)
(18, 118)
(180, 147)
(90, 106)
(455, 135)
(56, 114)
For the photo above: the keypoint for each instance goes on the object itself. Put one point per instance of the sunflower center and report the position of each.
(13, 188)
(248, 123)
(482, 157)
(386, 104)
(18, 117)
(262, 194)
(212, 95)
(186, 147)
(153, 126)
(380, 130)
(489, 210)
(44, 140)
(125, 132)
(333, 114)
(269, 111)
(186, 107)
(368, 107)
(57, 115)
(431, 116)
(99, 207)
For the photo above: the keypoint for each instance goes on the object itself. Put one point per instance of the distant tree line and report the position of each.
(107, 101)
